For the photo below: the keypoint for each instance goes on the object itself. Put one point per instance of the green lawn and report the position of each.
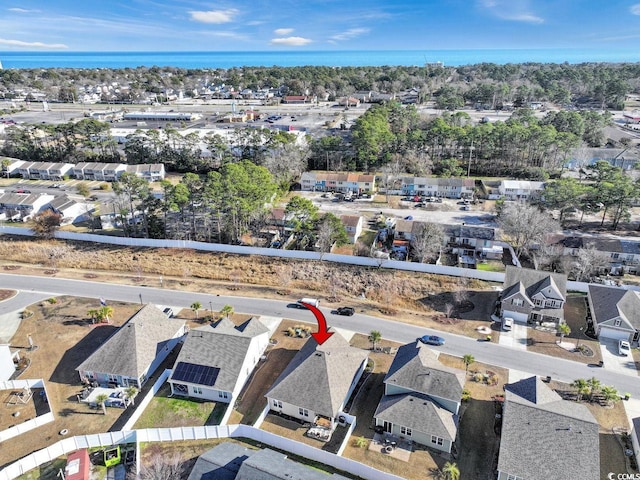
(179, 412)
(491, 266)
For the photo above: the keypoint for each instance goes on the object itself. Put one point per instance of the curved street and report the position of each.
(37, 288)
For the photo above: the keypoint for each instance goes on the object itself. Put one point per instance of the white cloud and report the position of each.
(512, 10)
(291, 41)
(635, 9)
(22, 10)
(283, 31)
(214, 16)
(20, 43)
(349, 34)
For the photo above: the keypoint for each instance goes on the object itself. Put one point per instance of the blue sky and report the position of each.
(261, 25)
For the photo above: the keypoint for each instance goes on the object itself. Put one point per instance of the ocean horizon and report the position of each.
(329, 58)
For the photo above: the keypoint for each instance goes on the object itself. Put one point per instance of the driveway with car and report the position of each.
(614, 361)
(515, 338)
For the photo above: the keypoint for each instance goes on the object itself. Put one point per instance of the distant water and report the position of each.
(303, 58)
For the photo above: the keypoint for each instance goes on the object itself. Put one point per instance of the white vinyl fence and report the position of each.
(20, 428)
(63, 447)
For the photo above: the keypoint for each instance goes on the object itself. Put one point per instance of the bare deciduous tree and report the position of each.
(162, 467)
(525, 226)
(589, 263)
(426, 241)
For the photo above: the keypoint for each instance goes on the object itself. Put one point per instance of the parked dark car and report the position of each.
(21, 190)
(348, 311)
(431, 340)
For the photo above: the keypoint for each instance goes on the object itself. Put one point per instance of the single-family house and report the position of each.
(133, 353)
(70, 210)
(318, 381)
(7, 362)
(403, 229)
(232, 461)
(615, 313)
(521, 190)
(544, 436)
(353, 225)
(21, 206)
(216, 360)
(421, 398)
(533, 296)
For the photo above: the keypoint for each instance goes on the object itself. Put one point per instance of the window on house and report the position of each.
(518, 302)
(405, 431)
(223, 395)
(303, 411)
(615, 256)
(618, 322)
(538, 302)
(436, 440)
(197, 390)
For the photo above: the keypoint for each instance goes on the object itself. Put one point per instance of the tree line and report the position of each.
(486, 84)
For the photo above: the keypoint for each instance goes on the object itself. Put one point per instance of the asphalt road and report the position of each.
(486, 352)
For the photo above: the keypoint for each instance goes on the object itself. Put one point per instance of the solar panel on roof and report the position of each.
(193, 373)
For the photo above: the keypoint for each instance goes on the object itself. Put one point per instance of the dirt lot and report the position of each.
(64, 337)
(411, 297)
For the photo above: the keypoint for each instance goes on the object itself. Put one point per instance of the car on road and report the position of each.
(624, 348)
(56, 185)
(22, 190)
(431, 340)
(347, 311)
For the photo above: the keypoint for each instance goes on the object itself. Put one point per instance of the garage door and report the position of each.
(613, 334)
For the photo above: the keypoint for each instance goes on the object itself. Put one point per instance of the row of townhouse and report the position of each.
(470, 243)
(513, 190)
(438, 187)
(22, 206)
(108, 172)
(337, 182)
(624, 253)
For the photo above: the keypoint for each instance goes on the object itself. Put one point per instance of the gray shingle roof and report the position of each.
(417, 368)
(134, 346)
(222, 462)
(532, 281)
(611, 302)
(546, 437)
(418, 412)
(222, 345)
(470, 231)
(319, 376)
(267, 464)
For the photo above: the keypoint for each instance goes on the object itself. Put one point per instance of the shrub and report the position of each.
(361, 442)
(466, 395)
(52, 300)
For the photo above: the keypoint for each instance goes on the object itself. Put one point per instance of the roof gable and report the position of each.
(319, 376)
(134, 346)
(417, 368)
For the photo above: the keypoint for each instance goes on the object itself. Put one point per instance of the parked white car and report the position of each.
(507, 324)
(624, 348)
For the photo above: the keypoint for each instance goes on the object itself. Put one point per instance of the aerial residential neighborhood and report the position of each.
(240, 281)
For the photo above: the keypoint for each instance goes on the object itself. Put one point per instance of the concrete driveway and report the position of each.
(516, 338)
(11, 312)
(615, 362)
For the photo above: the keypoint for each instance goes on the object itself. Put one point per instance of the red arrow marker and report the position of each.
(322, 335)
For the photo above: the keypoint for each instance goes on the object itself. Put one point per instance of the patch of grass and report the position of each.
(47, 471)
(178, 411)
(491, 266)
